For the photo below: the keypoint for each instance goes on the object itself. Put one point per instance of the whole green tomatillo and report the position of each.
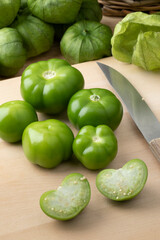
(86, 41)
(90, 10)
(48, 85)
(95, 147)
(95, 106)
(8, 11)
(37, 35)
(13, 54)
(23, 4)
(53, 11)
(47, 143)
(14, 117)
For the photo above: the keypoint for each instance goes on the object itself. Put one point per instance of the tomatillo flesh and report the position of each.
(69, 199)
(124, 183)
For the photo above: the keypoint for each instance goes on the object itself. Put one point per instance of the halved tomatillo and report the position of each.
(124, 183)
(70, 198)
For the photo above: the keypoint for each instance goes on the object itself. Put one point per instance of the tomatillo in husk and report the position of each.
(53, 11)
(86, 41)
(12, 52)
(37, 35)
(8, 11)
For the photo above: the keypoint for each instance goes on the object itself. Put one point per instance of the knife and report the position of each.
(140, 112)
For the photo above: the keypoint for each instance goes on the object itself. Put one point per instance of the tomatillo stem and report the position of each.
(95, 97)
(49, 74)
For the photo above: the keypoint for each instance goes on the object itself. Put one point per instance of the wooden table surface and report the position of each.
(22, 183)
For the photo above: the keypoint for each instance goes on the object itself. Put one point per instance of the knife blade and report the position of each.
(140, 112)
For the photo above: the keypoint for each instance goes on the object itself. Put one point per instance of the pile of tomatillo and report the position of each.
(52, 87)
(28, 28)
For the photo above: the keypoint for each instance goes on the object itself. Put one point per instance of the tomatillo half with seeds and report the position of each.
(123, 183)
(47, 143)
(95, 147)
(70, 198)
(49, 85)
(95, 106)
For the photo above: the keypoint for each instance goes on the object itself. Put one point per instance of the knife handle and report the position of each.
(155, 147)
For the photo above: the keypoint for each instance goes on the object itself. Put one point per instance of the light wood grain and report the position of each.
(22, 183)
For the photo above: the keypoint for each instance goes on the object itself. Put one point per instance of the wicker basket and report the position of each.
(121, 8)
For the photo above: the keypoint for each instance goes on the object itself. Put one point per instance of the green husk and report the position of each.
(37, 35)
(86, 41)
(8, 11)
(90, 10)
(12, 52)
(136, 40)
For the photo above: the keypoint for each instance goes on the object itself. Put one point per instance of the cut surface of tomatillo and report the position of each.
(123, 183)
(69, 199)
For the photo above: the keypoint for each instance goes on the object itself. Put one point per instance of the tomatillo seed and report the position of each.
(70, 198)
(124, 183)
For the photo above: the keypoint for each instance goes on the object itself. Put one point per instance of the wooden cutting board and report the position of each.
(22, 183)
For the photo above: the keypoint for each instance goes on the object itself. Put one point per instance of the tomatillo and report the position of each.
(13, 54)
(86, 40)
(47, 143)
(94, 107)
(69, 199)
(95, 147)
(53, 11)
(48, 85)
(42, 39)
(124, 183)
(14, 117)
(8, 11)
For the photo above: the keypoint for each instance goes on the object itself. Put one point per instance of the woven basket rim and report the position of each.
(121, 8)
